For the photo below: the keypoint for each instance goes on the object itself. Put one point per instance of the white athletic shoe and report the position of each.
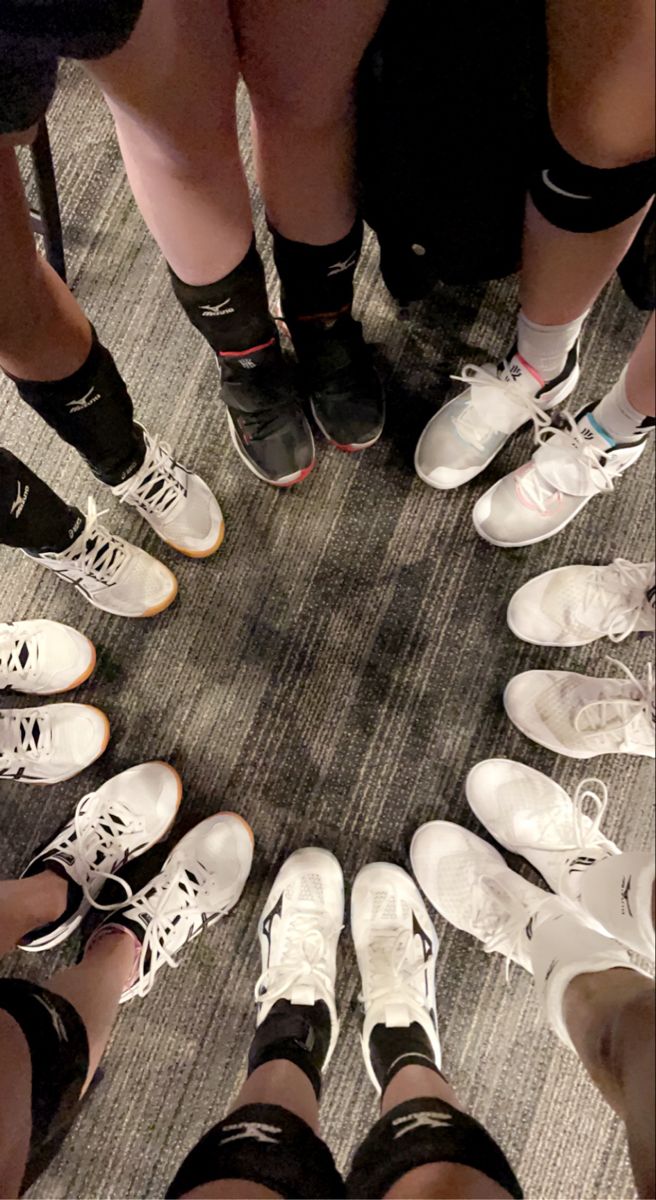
(583, 716)
(469, 884)
(200, 882)
(42, 658)
(573, 606)
(49, 745)
(542, 497)
(469, 431)
(299, 930)
(122, 820)
(396, 947)
(111, 573)
(176, 503)
(530, 814)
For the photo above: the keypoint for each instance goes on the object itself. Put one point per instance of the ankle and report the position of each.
(46, 896)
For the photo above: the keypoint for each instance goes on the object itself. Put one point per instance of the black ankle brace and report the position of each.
(233, 313)
(92, 411)
(32, 516)
(419, 1132)
(299, 1033)
(392, 1049)
(265, 1144)
(316, 282)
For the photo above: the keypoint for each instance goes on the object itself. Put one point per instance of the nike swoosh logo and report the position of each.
(561, 191)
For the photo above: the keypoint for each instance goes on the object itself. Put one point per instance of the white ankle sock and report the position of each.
(562, 945)
(617, 417)
(546, 347)
(617, 892)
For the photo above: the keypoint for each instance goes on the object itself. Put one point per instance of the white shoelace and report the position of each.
(474, 422)
(159, 485)
(166, 915)
(558, 450)
(27, 734)
(585, 836)
(500, 919)
(304, 960)
(19, 657)
(100, 554)
(390, 966)
(621, 592)
(98, 826)
(619, 713)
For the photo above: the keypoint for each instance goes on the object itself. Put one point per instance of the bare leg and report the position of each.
(25, 904)
(303, 116)
(610, 1018)
(171, 91)
(44, 335)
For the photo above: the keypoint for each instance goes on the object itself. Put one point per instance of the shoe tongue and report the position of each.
(397, 1016)
(303, 993)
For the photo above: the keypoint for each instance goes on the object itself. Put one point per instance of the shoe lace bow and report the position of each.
(495, 406)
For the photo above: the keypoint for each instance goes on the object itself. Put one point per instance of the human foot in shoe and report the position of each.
(396, 948)
(111, 573)
(200, 882)
(339, 376)
(41, 658)
(573, 606)
(538, 500)
(299, 930)
(528, 813)
(178, 504)
(52, 744)
(267, 425)
(583, 716)
(469, 431)
(122, 820)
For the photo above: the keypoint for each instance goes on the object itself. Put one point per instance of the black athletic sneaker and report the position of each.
(267, 425)
(339, 376)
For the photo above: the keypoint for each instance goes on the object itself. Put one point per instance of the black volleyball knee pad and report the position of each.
(264, 1144)
(419, 1132)
(59, 1055)
(586, 199)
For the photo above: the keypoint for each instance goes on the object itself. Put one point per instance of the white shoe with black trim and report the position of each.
(176, 503)
(128, 815)
(52, 744)
(396, 948)
(111, 573)
(200, 882)
(299, 930)
(42, 658)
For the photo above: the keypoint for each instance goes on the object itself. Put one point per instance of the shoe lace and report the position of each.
(98, 827)
(585, 833)
(19, 657)
(561, 448)
(621, 590)
(499, 919)
(617, 713)
(99, 554)
(303, 959)
(159, 484)
(164, 915)
(476, 421)
(391, 967)
(25, 734)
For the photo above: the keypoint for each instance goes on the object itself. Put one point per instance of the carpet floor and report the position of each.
(332, 674)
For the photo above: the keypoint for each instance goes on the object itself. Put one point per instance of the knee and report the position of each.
(302, 111)
(603, 136)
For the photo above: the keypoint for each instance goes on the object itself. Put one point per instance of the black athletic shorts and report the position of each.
(35, 34)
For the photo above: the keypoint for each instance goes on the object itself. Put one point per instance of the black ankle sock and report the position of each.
(92, 411)
(298, 1032)
(233, 313)
(317, 281)
(395, 1048)
(32, 516)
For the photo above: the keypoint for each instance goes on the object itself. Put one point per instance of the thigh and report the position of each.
(177, 74)
(298, 53)
(601, 78)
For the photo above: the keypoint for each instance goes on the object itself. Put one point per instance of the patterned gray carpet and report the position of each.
(332, 674)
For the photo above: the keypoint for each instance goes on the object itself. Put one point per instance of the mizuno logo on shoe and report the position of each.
(267, 923)
(346, 265)
(251, 1129)
(216, 310)
(421, 1120)
(624, 893)
(20, 501)
(426, 944)
(561, 191)
(84, 401)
